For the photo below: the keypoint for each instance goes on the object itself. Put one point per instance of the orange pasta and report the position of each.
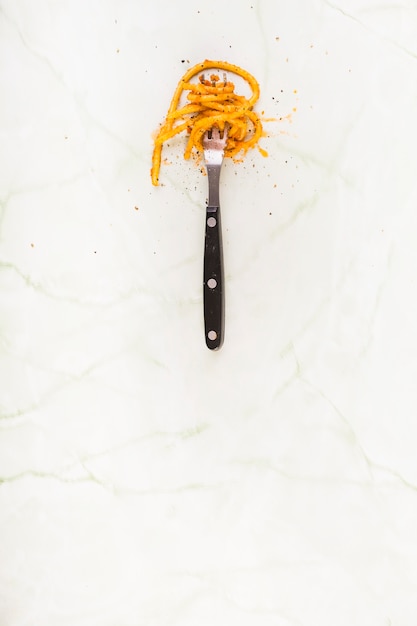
(210, 103)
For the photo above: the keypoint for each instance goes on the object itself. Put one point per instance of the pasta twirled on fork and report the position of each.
(210, 103)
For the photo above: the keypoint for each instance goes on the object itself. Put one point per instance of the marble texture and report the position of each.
(146, 481)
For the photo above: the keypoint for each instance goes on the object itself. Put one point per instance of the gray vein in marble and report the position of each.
(85, 302)
(217, 586)
(320, 307)
(69, 379)
(374, 32)
(353, 436)
(299, 210)
(188, 433)
(380, 291)
(326, 301)
(37, 286)
(309, 158)
(371, 465)
(173, 267)
(264, 464)
(82, 461)
(42, 186)
(256, 251)
(73, 377)
(26, 410)
(158, 491)
(115, 489)
(179, 186)
(264, 39)
(51, 475)
(296, 373)
(35, 53)
(93, 121)
(394, 474)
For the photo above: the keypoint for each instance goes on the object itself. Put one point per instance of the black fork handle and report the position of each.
(213, 280)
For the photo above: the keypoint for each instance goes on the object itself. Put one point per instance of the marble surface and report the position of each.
(146, 481)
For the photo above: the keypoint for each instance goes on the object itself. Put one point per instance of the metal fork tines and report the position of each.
(214, 143)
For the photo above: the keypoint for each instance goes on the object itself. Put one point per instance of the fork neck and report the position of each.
(213, 172)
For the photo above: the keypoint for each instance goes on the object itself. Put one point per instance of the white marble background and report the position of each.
(146, 481)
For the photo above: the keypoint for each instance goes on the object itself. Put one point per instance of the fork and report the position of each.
(213, 144)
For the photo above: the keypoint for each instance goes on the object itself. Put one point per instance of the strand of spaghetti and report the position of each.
(186, 110)
(225, 88)
(171, 133)
(157, 153)
(228, 108)
(209, 97)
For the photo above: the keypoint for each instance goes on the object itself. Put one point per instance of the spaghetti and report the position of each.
(210, 103)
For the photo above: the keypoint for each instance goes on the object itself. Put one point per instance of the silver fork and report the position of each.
(213, 144)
